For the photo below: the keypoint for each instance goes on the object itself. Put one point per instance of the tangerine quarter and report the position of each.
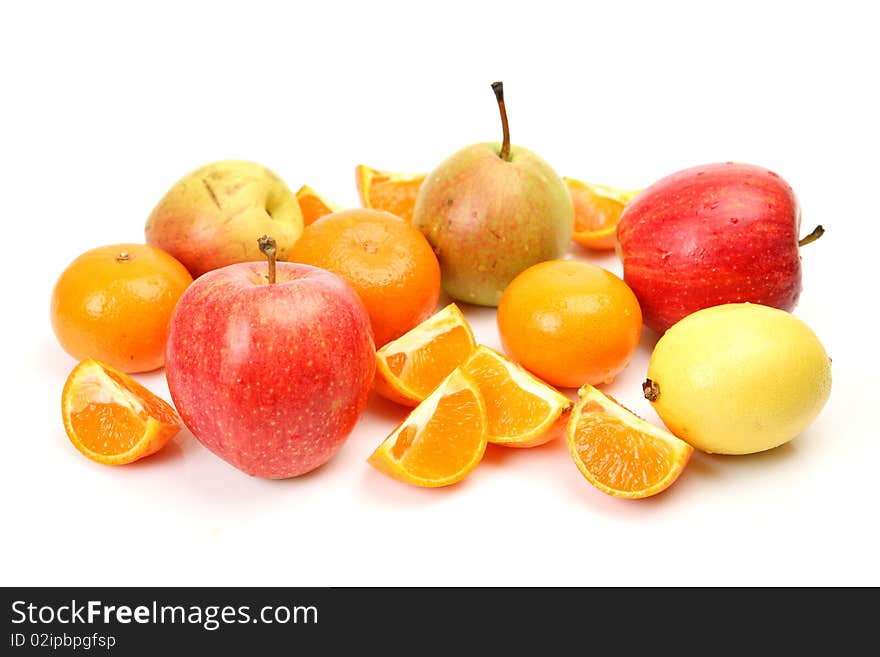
(570, 322)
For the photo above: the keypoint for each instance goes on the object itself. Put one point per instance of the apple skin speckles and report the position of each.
(270, 377)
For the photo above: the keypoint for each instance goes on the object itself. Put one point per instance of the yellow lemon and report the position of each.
(738, 378)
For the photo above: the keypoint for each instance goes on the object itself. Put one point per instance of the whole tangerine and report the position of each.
(570, 322)
(388, 262)
(114, 304)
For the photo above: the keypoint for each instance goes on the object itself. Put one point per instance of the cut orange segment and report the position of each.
(113, 419)
(313, 205)
(391, 191)
(620, 453)
(597, 209)
(409, 368)
(521, 410)
(441, 441)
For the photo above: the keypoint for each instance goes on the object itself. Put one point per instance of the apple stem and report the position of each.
(268, 249)
(818, 232)
(651, 390)
(498, 88)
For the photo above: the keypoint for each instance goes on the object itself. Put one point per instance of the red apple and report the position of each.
(270, 376)
(709, 235)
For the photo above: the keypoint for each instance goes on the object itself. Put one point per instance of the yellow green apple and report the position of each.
(213, 216)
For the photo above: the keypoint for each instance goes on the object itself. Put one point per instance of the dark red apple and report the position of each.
(709, 235)
(270, 375)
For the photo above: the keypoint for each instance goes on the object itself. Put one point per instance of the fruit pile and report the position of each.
(276, 315)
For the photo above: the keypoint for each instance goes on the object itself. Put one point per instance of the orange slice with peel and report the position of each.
(521, 410)
(391, 191)
(620, 453)
(409, 368)
(113, 419)
(597, 209)
(314, 206)
(441, 441)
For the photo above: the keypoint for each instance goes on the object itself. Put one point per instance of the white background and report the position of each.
(104, 108)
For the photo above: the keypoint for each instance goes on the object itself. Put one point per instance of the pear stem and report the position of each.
(268, 248)
(818, 232)
(498, 88)
(651, 390)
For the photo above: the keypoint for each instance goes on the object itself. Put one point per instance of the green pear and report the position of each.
(490, 211)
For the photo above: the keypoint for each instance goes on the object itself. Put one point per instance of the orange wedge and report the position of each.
(620, 453)
(409, 368)
(521, 410)
(597, 210)
(441, 440)
(113, 419)
(313, 205)
(391, 191)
